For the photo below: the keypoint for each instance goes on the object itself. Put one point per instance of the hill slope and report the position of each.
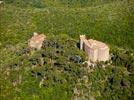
(57, 72)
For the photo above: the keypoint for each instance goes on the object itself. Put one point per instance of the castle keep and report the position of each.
(96, 50)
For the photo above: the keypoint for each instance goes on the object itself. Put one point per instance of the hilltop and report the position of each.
(57, 71)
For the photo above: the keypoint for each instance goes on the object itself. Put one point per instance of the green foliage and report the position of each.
(48, 74)
(114, 82)
(26, 3)
(124, 58)
(58, 3)
(45, 74)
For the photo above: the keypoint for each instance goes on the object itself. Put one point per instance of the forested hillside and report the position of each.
(57, 72)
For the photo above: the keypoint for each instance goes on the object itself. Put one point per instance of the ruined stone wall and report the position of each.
(92, 53)
(103, 54)
(82, 39)
(96, 51)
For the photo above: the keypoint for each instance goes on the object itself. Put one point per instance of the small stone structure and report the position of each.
(36, 41)
(96, 50)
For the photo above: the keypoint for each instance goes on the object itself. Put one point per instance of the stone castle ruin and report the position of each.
(96, 50)
(36, 41)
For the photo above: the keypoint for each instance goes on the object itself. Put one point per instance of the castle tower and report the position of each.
(82, 38)
(96, 50)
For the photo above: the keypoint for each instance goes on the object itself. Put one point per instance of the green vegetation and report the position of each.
(47, 74)
(115, 82)
(110, 22)
(56, 71)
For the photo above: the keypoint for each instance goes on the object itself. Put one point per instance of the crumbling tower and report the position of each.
(96, 50)
(82, 39)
